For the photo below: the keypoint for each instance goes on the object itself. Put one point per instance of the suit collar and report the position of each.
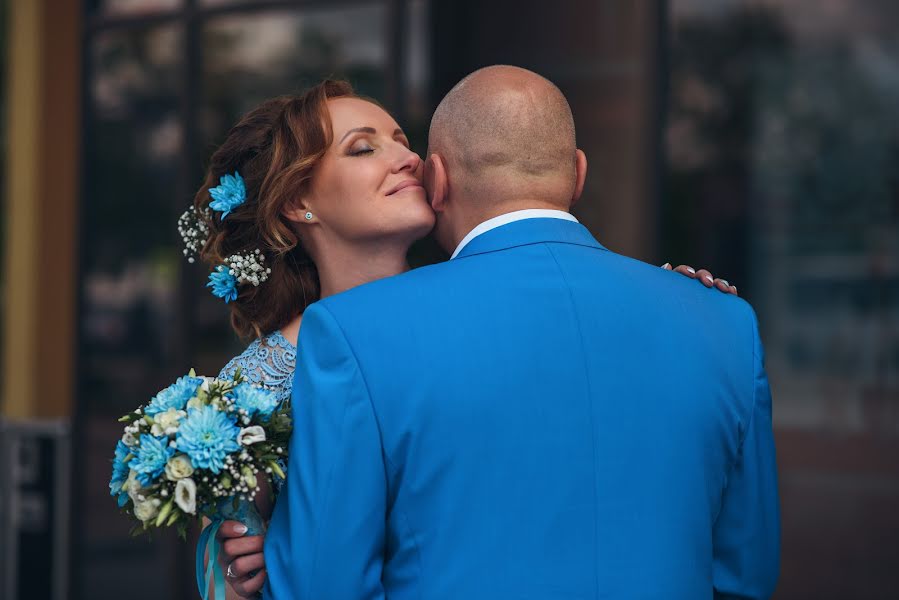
(527, 232)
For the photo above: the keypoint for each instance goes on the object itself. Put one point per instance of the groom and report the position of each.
(538, 417)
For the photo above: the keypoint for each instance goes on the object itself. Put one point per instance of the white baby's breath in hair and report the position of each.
(194, 231)
(248, 267)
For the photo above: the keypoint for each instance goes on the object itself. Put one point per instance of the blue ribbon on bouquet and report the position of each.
(213, 570)
(246, 513)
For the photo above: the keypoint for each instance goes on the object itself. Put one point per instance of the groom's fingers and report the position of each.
(248, 587)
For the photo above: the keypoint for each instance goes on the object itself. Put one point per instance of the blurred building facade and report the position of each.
(753, 137)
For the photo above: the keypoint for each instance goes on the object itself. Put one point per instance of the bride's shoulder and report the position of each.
(268, 361)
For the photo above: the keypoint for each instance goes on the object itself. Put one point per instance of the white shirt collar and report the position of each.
(518, 215)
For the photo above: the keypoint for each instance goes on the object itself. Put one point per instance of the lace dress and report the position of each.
(268, 362)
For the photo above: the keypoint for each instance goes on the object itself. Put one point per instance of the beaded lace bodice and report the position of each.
(268, 362)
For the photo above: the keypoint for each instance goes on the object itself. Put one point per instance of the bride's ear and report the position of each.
(436, 183)
(299, 211)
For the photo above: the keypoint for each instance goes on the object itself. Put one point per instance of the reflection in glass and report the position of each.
(129, 281)
(135, 7)
(783, 147)
(249, 58)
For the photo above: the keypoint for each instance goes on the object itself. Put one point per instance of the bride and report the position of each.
(308, 196)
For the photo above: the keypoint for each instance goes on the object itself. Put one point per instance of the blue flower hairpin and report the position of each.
(248, 267)
(223, 284)
(228, 194)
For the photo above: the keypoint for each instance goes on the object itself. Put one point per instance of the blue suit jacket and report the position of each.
(538, 418)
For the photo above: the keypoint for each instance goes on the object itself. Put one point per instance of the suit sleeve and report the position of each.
(327, 533)
(746, 534)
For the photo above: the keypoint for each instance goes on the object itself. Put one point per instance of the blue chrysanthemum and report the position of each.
(120, 472)
(223, 284)
(207, 436)
(149, 463)
(175, 396)
(254, 400)
(229, 194)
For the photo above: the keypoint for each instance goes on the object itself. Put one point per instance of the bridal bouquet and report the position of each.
(200, 447)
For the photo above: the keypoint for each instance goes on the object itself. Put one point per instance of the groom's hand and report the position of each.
(243, 554)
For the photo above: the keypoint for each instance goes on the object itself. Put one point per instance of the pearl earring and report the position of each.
(308, 216)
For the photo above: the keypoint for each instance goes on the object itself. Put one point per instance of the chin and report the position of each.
(415, 217)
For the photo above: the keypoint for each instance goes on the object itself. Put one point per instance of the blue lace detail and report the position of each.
(268, 362)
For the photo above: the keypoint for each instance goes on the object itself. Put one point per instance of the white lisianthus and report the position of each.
(205, 385)
(186, 495)
(145, 510)
(251, 435)
(166, 423)
(178, 467)
(133, 486)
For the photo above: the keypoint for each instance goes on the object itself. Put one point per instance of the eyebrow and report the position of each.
(371, 130)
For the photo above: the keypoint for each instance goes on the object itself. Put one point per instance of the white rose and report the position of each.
(186, 495)
(178, 467)
(251, 435)
(145, 510)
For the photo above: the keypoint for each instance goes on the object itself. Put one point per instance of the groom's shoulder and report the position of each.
(395, 293)
(678, 294)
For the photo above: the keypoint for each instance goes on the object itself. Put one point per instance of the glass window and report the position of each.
(129, 276)
(783, 148)
(145, 314)
(249, 58)
(133, 7)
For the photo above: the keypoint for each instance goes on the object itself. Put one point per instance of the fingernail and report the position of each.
(692, 270)
(240, 529)
(735, 288)
(724, 281)
(708, 278)
(666, 265)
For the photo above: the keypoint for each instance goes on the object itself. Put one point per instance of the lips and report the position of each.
(403, 185)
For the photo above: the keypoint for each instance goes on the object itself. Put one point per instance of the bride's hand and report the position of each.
(705, 277)
(243, 554)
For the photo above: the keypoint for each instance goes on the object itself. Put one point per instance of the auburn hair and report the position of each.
(275, 147)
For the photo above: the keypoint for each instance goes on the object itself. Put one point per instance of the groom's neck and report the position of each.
(469, 217)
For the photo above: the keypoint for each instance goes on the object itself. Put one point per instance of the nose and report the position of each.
(407, 161)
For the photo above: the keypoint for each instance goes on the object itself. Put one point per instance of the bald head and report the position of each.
(506, 130)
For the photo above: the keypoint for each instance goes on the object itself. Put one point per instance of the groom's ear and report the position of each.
(580, 170)
(436, 183)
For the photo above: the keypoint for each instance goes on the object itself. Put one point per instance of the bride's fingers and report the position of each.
(249, 586)
(245, 545)
(231, 529)
(686, 270)
(245, 565)
(724, 286)
(705, 277)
